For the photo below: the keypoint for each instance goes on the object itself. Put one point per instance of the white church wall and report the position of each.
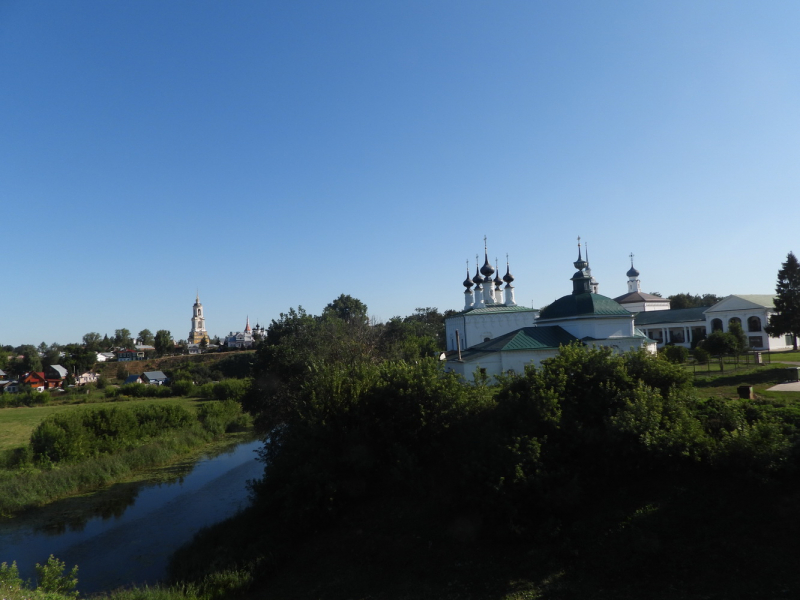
(475, 328)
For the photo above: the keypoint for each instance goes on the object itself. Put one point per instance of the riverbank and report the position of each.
(38, 480)
(124, 534)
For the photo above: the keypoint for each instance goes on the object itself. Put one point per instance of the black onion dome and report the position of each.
(508, 277)
(477, 279)
(468, 281)
(487, 270)
(632, 272)
(497, 280)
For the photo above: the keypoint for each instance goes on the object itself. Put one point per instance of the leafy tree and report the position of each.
(676, 354)
(92, 341)
(106, 343)
(146, 337)
(787, 301)
(30, 361)
(163, 342)
(51, 357)
(122, 338)
(78, 359)
(735, 329)
(347, 308)
(690, 301)
(720, 342)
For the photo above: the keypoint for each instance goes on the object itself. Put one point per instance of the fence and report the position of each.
(729, 362)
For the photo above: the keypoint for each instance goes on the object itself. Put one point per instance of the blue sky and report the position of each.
(279, 154)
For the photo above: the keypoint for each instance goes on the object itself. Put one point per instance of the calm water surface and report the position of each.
(128, 533)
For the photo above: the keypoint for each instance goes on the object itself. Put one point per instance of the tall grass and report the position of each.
(29, 489)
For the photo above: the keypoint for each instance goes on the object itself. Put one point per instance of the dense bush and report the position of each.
(676, 354)
(73, 435)
(700, 354)
(229, 389)
(24, 398)
(533, 445)
(221, 417)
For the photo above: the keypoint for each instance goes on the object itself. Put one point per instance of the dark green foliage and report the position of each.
(347, 308)
(735, 329)
(26, 397)
(676, 354)
(229, 389)
(219, 417)
(142, 390)
(787, 301)
(30, 361)
(163, 342)
(74, 435)
(700, 354)
(122, 338)
(183, 388)
(678, 301)
(719, 342)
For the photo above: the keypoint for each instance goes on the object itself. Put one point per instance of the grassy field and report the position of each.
(16, 424)
(725, 384)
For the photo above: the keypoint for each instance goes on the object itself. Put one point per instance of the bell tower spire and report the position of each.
(198, 332)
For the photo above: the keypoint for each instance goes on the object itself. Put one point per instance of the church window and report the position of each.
(755, 341)
(753, 324)
(734, 320)
(716, 325)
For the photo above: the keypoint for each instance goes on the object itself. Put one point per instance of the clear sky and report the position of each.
(276, 154)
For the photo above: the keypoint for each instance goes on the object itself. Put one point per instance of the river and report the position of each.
(125, 534)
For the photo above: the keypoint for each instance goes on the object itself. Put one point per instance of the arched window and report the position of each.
(753, 324)
(734, 320)
(716, 325)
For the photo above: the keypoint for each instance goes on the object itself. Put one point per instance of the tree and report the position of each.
(30, 361)
(690, 301)
(122, 338)
(720, 342)
(347, 308)
(735, 329)
(92, 341)
(52, 356)
(79, 359)
(163, 342)
(146, 337)
(787, 301)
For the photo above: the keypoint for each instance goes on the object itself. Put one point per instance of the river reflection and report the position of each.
(125, 535)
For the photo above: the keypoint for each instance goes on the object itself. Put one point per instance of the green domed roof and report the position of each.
(587, 303)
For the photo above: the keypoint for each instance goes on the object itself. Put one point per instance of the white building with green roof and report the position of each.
(490, 339)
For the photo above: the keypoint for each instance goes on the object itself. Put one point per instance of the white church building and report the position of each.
(493, 335)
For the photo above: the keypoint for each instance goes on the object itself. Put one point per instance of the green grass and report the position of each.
(789, 356)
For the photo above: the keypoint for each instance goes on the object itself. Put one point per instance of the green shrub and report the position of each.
(74, 435)
(183, 388)
(676, 354)
(701, 355)
(51, 578)
(217, 417)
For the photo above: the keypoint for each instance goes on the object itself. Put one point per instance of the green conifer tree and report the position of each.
(787, 301)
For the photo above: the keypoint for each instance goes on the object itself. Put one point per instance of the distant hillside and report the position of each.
(165, 363)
